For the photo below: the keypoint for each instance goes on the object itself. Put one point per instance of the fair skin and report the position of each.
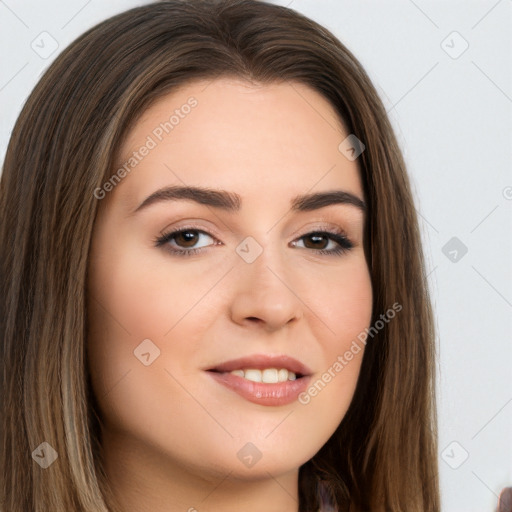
(171, 433)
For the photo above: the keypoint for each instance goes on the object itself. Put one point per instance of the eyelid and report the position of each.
(310, 227)
(317, 227)
(344, 242)
(314, 228)
(191, 224)
(166, 233)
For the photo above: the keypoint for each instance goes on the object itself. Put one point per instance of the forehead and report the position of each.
(263, 140)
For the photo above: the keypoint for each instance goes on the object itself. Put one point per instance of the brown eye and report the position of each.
(186, 238)
(182, 242)
(319, 241)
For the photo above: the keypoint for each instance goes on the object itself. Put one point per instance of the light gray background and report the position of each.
(452, 112)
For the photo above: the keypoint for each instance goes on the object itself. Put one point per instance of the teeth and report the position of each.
(253, 375)
(268, 376)
(282, 375)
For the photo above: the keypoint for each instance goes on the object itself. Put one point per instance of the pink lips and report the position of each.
(280, 393)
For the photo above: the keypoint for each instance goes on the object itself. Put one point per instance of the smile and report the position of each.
(264, 380)
(269, 375)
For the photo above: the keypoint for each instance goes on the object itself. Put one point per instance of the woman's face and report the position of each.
(243, 279)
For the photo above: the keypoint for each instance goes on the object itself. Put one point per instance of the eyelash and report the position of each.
(339, 236)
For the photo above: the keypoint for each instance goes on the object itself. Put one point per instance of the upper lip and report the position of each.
(262, 361)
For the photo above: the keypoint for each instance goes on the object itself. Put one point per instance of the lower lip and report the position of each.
(280, 393)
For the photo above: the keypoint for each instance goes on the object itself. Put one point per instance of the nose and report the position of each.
(265, 295)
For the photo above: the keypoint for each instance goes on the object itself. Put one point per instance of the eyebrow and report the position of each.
(231, 202)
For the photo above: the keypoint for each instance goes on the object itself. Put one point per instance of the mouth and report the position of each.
(267, 375)
(263, 379)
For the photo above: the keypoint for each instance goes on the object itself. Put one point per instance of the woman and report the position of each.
(287, 362)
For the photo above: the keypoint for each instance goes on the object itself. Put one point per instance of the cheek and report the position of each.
(133, 297)
(131, 301)
(342, 300)
(149, 293)
(345, 307)
(157, 300)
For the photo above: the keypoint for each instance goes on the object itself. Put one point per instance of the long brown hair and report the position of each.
(383, 455)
